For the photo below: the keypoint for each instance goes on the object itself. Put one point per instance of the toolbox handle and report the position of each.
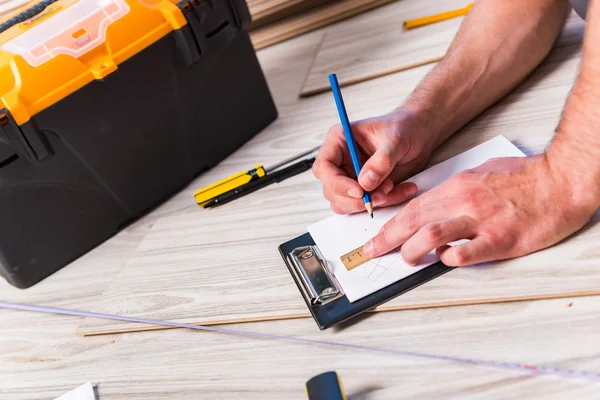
(25, 15)
(212, 25)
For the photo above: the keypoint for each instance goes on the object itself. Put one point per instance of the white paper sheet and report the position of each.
(83, 392)
(339, 234)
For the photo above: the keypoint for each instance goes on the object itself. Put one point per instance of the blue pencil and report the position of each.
(339, 102)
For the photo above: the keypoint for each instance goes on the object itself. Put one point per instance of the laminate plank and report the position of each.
(310, 20)
(84, 280)
(9, 6)
(382, 309)
(375, 44)
(269, 11)
(189, 364)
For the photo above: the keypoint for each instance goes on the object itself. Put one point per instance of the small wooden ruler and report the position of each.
(354, 258)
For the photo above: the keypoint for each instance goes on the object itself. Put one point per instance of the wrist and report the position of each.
(419, 121)
(575, 176)
(438, 105)
(574, 154)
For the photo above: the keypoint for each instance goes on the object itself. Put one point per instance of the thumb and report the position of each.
(377, 168)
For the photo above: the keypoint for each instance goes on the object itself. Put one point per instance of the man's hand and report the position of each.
(507, 207)
(394, 146)
(498, 45)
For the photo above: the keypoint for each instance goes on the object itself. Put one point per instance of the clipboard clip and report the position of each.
(318, 285)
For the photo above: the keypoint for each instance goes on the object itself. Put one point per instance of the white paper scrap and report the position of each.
(83, 392)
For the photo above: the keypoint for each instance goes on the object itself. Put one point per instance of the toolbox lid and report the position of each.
(70, 43)
(74, 31)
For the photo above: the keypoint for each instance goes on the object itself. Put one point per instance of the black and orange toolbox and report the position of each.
(107, 108)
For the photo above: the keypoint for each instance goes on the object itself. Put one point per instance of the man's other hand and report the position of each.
(507, 207)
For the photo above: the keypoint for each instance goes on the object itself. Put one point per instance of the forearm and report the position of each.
(575, 151)
(499, 43)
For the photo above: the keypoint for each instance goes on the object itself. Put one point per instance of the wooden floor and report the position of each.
(375, 43)
(41, 356)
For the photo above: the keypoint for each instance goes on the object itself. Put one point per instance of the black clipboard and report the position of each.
(322, 293)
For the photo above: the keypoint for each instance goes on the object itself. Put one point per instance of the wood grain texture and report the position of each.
(183, 271)
(354, 258)
(351, 81)
(131, 328)
(81, 282)
(41, 358)
(9, 6)
(180, 364)
(310, 20)
(174, 267)
(375, 44)
(266, 12)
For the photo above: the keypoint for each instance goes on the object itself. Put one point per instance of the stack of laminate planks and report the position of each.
(265, 12)
(275, 21)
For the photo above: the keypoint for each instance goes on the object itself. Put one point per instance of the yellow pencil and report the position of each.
(415, 23)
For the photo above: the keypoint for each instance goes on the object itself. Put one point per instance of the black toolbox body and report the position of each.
(82, 169)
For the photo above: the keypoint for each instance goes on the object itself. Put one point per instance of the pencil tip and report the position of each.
(369, 207)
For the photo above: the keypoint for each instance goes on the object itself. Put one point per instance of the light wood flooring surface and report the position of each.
(41, 357)
(375, 43)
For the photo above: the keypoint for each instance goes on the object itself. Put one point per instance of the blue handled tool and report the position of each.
(339, 102)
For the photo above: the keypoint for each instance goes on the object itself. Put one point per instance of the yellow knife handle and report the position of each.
(225, 185)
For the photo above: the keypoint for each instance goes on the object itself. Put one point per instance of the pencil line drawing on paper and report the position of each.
(379, 266)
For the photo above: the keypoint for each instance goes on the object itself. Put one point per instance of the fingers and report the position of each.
(404, 225)
(332, 149)
(387, 186)
(344, 192)
(377, 168)
(478, 250)
(347, 205)
(327, 168)
(338, 182)
(435, 235)
(380, 165)
(384, 196)
(400, 194)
